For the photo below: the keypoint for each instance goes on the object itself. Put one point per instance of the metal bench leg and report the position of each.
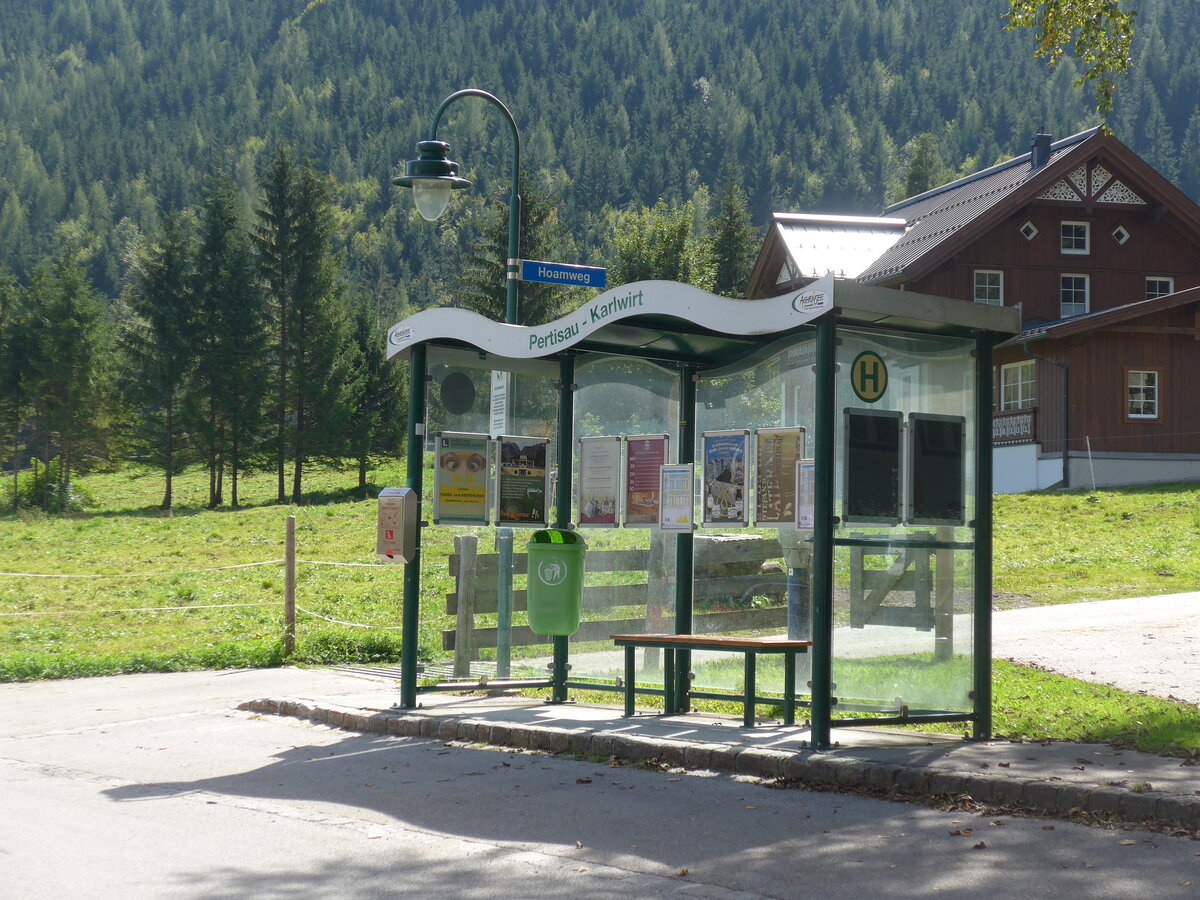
(748, 708)
(630, 672)
(789, 687)
(669, 707)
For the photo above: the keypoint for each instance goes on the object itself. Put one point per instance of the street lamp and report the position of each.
(433, 177)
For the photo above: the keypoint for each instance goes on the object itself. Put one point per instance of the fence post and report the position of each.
(289, 589)
(466, 546)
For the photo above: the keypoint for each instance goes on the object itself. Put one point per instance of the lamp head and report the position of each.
(432, 177)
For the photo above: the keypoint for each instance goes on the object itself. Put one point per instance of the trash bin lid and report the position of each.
(555, 536)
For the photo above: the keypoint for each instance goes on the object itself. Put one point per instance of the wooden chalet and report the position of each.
(1102, 256)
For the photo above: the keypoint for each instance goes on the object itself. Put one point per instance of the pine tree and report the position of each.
(377, 411)
(230, 372)
(158, 346)
(734, 241)
(15, 340)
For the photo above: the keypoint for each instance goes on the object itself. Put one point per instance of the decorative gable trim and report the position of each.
(1119, 193)
(1078, 177)
(1060, 190)
(1100, 177)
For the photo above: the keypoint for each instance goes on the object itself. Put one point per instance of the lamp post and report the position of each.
(433, 178)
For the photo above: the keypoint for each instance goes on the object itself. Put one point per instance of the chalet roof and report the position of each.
(842, 246)
(936, 216)
(1063, 328)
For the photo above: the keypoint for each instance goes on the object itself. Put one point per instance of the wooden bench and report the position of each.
(750, 646)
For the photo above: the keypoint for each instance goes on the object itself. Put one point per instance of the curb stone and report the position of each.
(802, 767)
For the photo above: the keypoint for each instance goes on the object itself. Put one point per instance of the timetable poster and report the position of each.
(678, 498)
(775, 455)
(460, 479)
(522, 485)
(645, 454)
(599, 481)
(724, 459)
(806, 495)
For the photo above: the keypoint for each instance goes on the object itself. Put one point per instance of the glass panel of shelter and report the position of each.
(903, 584)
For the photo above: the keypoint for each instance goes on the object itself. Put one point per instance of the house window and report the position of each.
(1159, 287)
(1017, 385)
(989, 287)
(1072, 295)
(1073, 237)
(1028, 230)
(1120, 234)
(1141, 393)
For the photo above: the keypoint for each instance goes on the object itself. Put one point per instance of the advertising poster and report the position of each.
(644, 455)
(599, 481)
(460, 479)
(522, 484)
(678, 504)
(775, 455)
(725, 463)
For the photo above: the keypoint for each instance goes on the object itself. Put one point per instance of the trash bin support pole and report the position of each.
(562, 516)
(684, 545)
(410, 612)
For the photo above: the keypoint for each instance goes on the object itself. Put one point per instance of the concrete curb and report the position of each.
(808, 767)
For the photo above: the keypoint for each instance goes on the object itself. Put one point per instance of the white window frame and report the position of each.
(1087, 295)
(998, 288)
(1063, 239)
(1160, 279)
(1148, 394)
(1021, 377)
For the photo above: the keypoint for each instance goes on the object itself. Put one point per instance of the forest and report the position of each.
(140, 143)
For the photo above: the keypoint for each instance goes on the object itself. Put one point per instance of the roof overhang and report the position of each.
(666, 321)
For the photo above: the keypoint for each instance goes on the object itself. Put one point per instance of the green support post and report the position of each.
(410, 612)
(684, 554)
(983, 538)
(566, 419)
(823, 491)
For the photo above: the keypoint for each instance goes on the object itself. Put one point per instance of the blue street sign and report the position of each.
(562, 273)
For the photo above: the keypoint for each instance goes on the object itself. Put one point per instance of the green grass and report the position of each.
(1053, 547)
(1050, 548)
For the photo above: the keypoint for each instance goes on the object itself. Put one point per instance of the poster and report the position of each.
(599, 481)
(725, 463)
(678, 498)
(806, 503)
(644, 455)
(522, 482)
(460, 479)
(776, 451)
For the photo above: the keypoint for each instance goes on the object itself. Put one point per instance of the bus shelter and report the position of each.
(834, 446)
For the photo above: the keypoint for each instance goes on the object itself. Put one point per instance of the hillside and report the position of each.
(111, 110)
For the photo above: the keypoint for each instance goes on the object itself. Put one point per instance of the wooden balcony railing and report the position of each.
(1015, 426)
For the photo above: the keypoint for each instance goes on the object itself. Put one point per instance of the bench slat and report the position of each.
(767, 644)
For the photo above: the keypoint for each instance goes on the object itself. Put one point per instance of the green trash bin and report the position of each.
(555, 581)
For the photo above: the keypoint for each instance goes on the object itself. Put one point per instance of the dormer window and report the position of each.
(1074, 238)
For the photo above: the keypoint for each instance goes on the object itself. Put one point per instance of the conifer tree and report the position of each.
(734, 241)
(158, 346)
(377, 412)
(15, 339)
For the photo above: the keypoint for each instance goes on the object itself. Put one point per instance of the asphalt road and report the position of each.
(151, 786)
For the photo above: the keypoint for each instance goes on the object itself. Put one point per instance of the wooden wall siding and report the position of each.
(1098, 363)
(1032, 269)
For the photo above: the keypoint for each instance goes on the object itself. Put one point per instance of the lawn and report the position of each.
(152, 591)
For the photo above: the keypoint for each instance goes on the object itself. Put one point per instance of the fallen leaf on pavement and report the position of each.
(682, 873)
(980, 846)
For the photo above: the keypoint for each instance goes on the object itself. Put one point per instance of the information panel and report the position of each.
(776, 452)
(936, 470)
(644, 455)
(460, 479)
(725, 458)
(676, 484)
(522, 481)
(872, 468)
(599, 481)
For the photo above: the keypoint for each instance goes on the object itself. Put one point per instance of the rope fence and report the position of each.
(289, 561)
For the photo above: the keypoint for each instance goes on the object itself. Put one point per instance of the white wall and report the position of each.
(1022, 467)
